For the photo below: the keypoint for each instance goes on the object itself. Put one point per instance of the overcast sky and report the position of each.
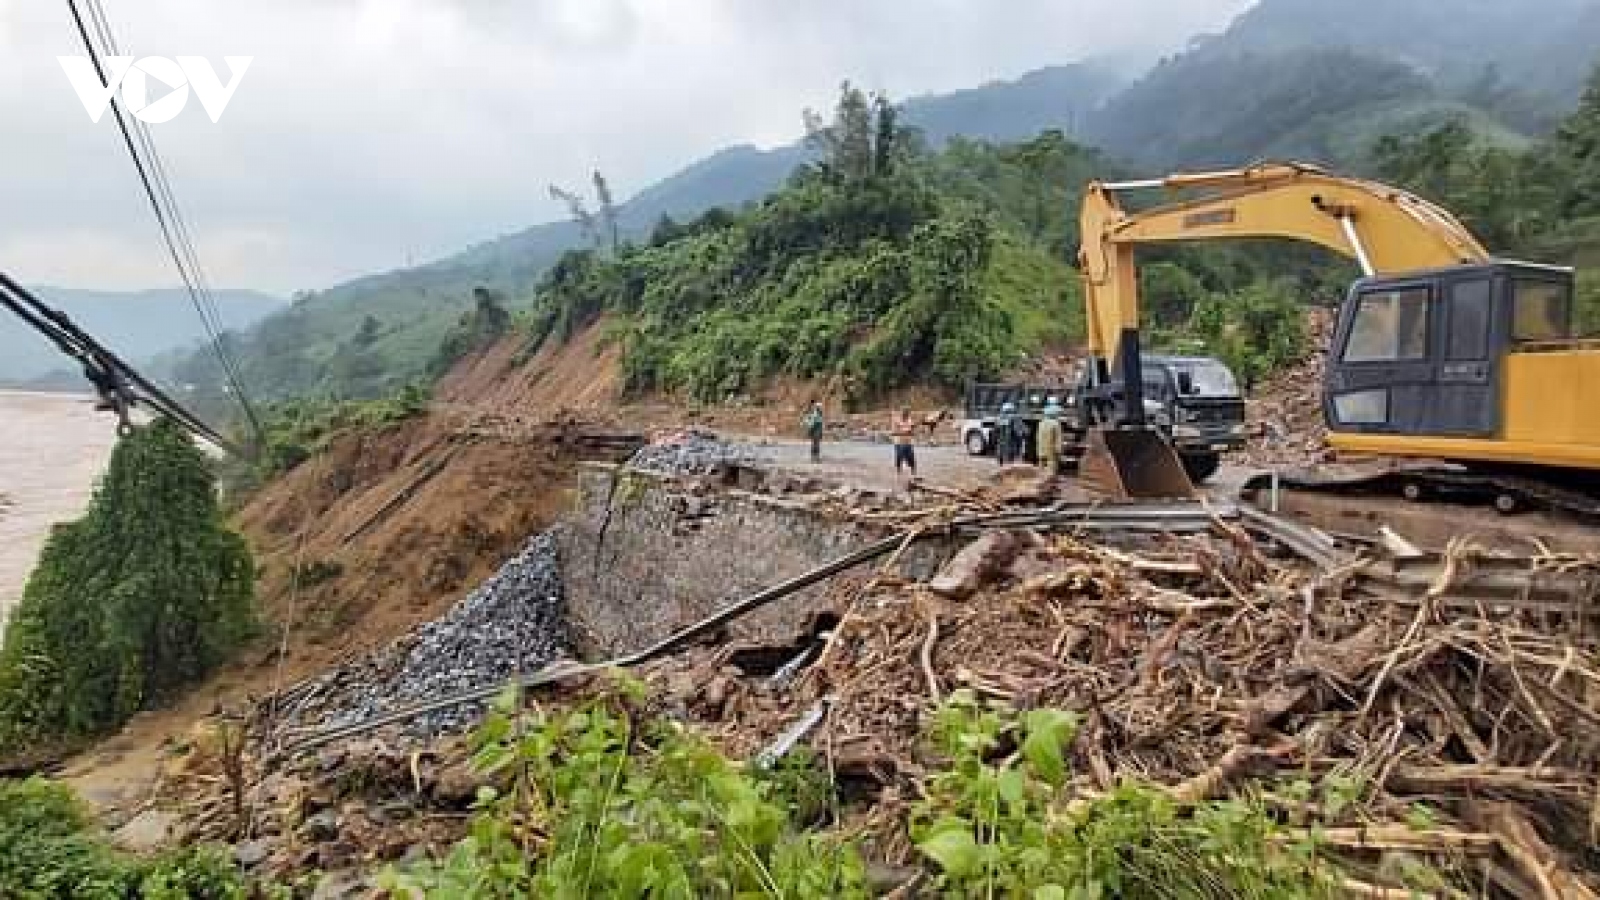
(372, 133)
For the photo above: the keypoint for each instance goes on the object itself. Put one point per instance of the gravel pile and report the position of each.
(513, 623)
(693, 453)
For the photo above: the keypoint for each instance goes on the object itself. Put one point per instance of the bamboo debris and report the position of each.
(1197, 662)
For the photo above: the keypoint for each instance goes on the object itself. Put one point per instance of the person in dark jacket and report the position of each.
(1005, 431)
(814, 425)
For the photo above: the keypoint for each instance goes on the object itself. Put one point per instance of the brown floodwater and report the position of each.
(53, 448)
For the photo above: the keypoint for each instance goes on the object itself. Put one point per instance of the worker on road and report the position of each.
(905, 436)
(1048, 447)
(813, 423)
(1005, 434)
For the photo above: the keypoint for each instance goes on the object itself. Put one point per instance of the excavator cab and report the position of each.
(1429, 353)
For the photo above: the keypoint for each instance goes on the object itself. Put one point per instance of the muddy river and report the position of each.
(52, 449)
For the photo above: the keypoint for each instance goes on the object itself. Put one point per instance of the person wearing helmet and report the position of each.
(1005, 441)
(1048, 447)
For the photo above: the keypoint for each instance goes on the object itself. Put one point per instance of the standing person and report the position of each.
(905, 436)
(1005, 430)
(814, 426)
(1049, 437)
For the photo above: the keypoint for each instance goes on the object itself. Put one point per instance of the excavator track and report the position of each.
(1432, 501)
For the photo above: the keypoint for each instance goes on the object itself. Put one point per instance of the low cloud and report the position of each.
(371, 133)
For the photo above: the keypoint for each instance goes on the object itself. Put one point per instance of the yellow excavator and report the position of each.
(1441, 351)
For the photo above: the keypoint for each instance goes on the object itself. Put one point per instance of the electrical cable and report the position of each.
(205, 304)
(104, 367)
(181, 251)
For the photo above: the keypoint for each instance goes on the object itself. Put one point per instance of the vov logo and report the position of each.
(133, 77)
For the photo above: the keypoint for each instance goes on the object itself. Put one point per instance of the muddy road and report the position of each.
(52, 450)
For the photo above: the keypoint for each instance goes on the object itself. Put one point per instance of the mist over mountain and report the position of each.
(136, 325)
(1303, 79)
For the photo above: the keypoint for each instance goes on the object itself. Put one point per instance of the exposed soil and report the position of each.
(372, 564)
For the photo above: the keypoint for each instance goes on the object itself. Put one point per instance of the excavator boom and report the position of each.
(1442, 351)
(1386, 230)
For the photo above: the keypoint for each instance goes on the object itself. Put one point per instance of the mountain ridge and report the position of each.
(137, 325)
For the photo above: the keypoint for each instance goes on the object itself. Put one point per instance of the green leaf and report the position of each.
(956, 851)
(1049, 731)
(1013, 789)
(1050, 892)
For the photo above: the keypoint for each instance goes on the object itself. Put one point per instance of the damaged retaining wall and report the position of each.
(644, 555)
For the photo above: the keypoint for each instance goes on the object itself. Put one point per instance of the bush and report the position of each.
(299, 429)
(144, 594)
(48, 850)
(601, 804)
(996, 822)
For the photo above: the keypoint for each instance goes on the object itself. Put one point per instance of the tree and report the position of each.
(863, 141)
(1575, 155)
(608, 211)
(146, 593)
(585, 220)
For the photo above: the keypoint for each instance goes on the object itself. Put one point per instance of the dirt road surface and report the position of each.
(53, 450)
(869, 464)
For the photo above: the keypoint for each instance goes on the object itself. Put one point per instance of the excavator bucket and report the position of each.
(1133, 464)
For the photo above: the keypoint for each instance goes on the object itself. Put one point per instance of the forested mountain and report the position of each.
(136, 325)
(375, 333)
(1321, 81)
(1288, 78)
(1541, 48)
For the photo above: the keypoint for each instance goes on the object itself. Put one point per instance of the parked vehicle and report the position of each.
(1194, 401)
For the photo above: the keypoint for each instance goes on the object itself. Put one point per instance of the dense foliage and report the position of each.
(296, 429)
(606, 801)
(144, 594)
(48, 849)
(1542, 202)
(603, 803)
(1000, 820)
(862, 271)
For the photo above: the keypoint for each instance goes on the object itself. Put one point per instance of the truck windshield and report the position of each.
(1206, 379)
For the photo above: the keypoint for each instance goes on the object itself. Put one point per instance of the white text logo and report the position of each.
(133, 77)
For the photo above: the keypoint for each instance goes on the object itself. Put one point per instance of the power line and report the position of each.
(174, 233)
(200, 292)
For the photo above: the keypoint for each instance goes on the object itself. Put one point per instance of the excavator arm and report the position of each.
(1386, 230)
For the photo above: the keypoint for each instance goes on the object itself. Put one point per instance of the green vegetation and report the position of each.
(999, 821)
(1542, 202)
(298, 429)
(144, 594)
(605, 801)
(48, 849)
(869, 270)
(476, 330)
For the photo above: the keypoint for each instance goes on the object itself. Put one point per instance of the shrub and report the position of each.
(48, 849)
(144, 594)
(602, 804)
(996, 822)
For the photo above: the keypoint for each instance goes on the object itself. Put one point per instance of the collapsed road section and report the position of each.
(1205, 647)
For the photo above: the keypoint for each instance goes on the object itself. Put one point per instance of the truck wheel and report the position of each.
(977, 445)
(1201, 466)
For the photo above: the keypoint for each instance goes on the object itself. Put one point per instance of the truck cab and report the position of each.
(1193, 401)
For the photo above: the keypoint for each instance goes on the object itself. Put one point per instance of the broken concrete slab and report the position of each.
(147, 832)
(981, 562)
